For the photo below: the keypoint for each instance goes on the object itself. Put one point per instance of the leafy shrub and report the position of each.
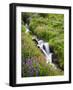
(58, 47)
(23, 28)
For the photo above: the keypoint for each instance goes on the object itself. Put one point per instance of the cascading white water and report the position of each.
(49, 55)
(27, 28)
(47, 47)
(44, 46)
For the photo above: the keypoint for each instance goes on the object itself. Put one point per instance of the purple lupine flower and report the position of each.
(29, 62)
(31, 69)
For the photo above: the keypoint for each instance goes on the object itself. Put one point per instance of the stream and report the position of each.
(43, 46)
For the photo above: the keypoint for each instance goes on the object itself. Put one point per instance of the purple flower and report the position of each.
(29, 61)
(31, 67)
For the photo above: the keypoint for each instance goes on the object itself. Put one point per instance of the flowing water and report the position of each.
(27, 28)
(44, 46)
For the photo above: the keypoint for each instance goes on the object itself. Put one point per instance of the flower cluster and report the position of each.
(30, 67)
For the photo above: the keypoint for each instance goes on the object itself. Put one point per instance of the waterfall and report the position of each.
(49, 54)
(44, 46)
(27, 28)
(47, 48)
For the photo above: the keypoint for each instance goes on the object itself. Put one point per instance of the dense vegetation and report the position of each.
(50, 28)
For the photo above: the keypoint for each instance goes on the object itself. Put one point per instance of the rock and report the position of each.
(54, 58)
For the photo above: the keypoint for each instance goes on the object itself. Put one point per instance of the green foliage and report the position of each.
(50, 28)
(23, 28)
(56, 36)
(49, 70)
(25, 17)
(59, 51)
(29, 48)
